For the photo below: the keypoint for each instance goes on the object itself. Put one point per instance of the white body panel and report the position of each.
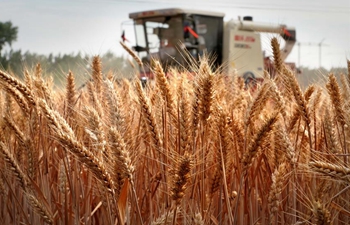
(242, 46)
(242, 53)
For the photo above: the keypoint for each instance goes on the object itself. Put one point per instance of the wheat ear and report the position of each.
(277, 54)
(96, 127)
(19, 99)
(298, 95)
(2, 187)
(164, 88)
(28, 79)
(26, 144)
(274, 201)
(225, 137)
(221, 154)
(132, 53)
(337, 101)
(19, 135)
(345, 90)
(40, 209)
(13, 166)
(207, 91)
(121, 156)
(258, 104)
(281, 79)
(181, 177)
(322, 215)
(148, 117)
(331, 170)
(97, 74)
(296, 114)
(348, 63)
(95, 99)
(88, 158)
(280, 101)
(330, 134)
(116, 114)
(258, 139)
(185, 118)
(70, 97)
(195, 107)
(38, 71)
(284, 145)
(300, 100)
(15, 83)
(66, 137)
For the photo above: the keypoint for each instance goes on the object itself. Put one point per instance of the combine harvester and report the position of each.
(164, 34)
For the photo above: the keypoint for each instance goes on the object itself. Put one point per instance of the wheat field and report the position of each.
(200, 149)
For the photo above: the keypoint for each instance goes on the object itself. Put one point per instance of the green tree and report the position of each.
(13, 62)
(8, 34)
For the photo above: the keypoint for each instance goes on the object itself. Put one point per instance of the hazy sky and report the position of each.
(94, 26)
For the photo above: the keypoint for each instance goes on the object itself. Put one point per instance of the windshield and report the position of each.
(154, 32)
(157, 32)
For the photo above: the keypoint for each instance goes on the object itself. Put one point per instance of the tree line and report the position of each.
(55, 65)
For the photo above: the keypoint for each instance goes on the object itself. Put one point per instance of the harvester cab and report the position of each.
(164, 35)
